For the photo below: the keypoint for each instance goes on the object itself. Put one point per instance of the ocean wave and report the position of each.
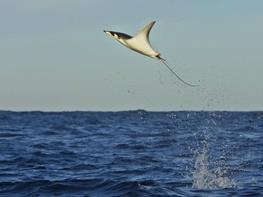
(132, 153)
(88, 187)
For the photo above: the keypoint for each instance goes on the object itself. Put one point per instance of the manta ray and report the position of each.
(141, 44)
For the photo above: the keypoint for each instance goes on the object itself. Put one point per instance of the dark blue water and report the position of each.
(134, 153)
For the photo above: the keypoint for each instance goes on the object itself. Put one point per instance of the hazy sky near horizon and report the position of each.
(55, 56)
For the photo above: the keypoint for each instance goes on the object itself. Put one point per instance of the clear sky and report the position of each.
(55, 56)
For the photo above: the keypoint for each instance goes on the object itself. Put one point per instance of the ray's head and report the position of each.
(112, 34)
(120, 37)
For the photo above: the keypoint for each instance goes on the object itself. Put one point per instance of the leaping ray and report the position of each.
(141, 44)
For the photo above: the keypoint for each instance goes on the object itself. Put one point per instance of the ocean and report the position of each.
(131, 153)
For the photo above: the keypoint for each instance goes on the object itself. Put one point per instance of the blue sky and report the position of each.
(55, 56)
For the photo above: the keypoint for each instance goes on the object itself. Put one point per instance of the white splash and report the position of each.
(206, 178)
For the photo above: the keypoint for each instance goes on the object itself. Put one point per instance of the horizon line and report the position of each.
(127, 110)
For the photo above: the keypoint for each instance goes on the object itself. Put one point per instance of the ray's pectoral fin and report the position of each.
(146, 30)
(141, 42)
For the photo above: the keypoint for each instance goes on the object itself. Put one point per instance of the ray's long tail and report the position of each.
(175, 74)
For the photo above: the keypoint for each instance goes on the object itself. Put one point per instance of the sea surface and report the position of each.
(131, 153)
